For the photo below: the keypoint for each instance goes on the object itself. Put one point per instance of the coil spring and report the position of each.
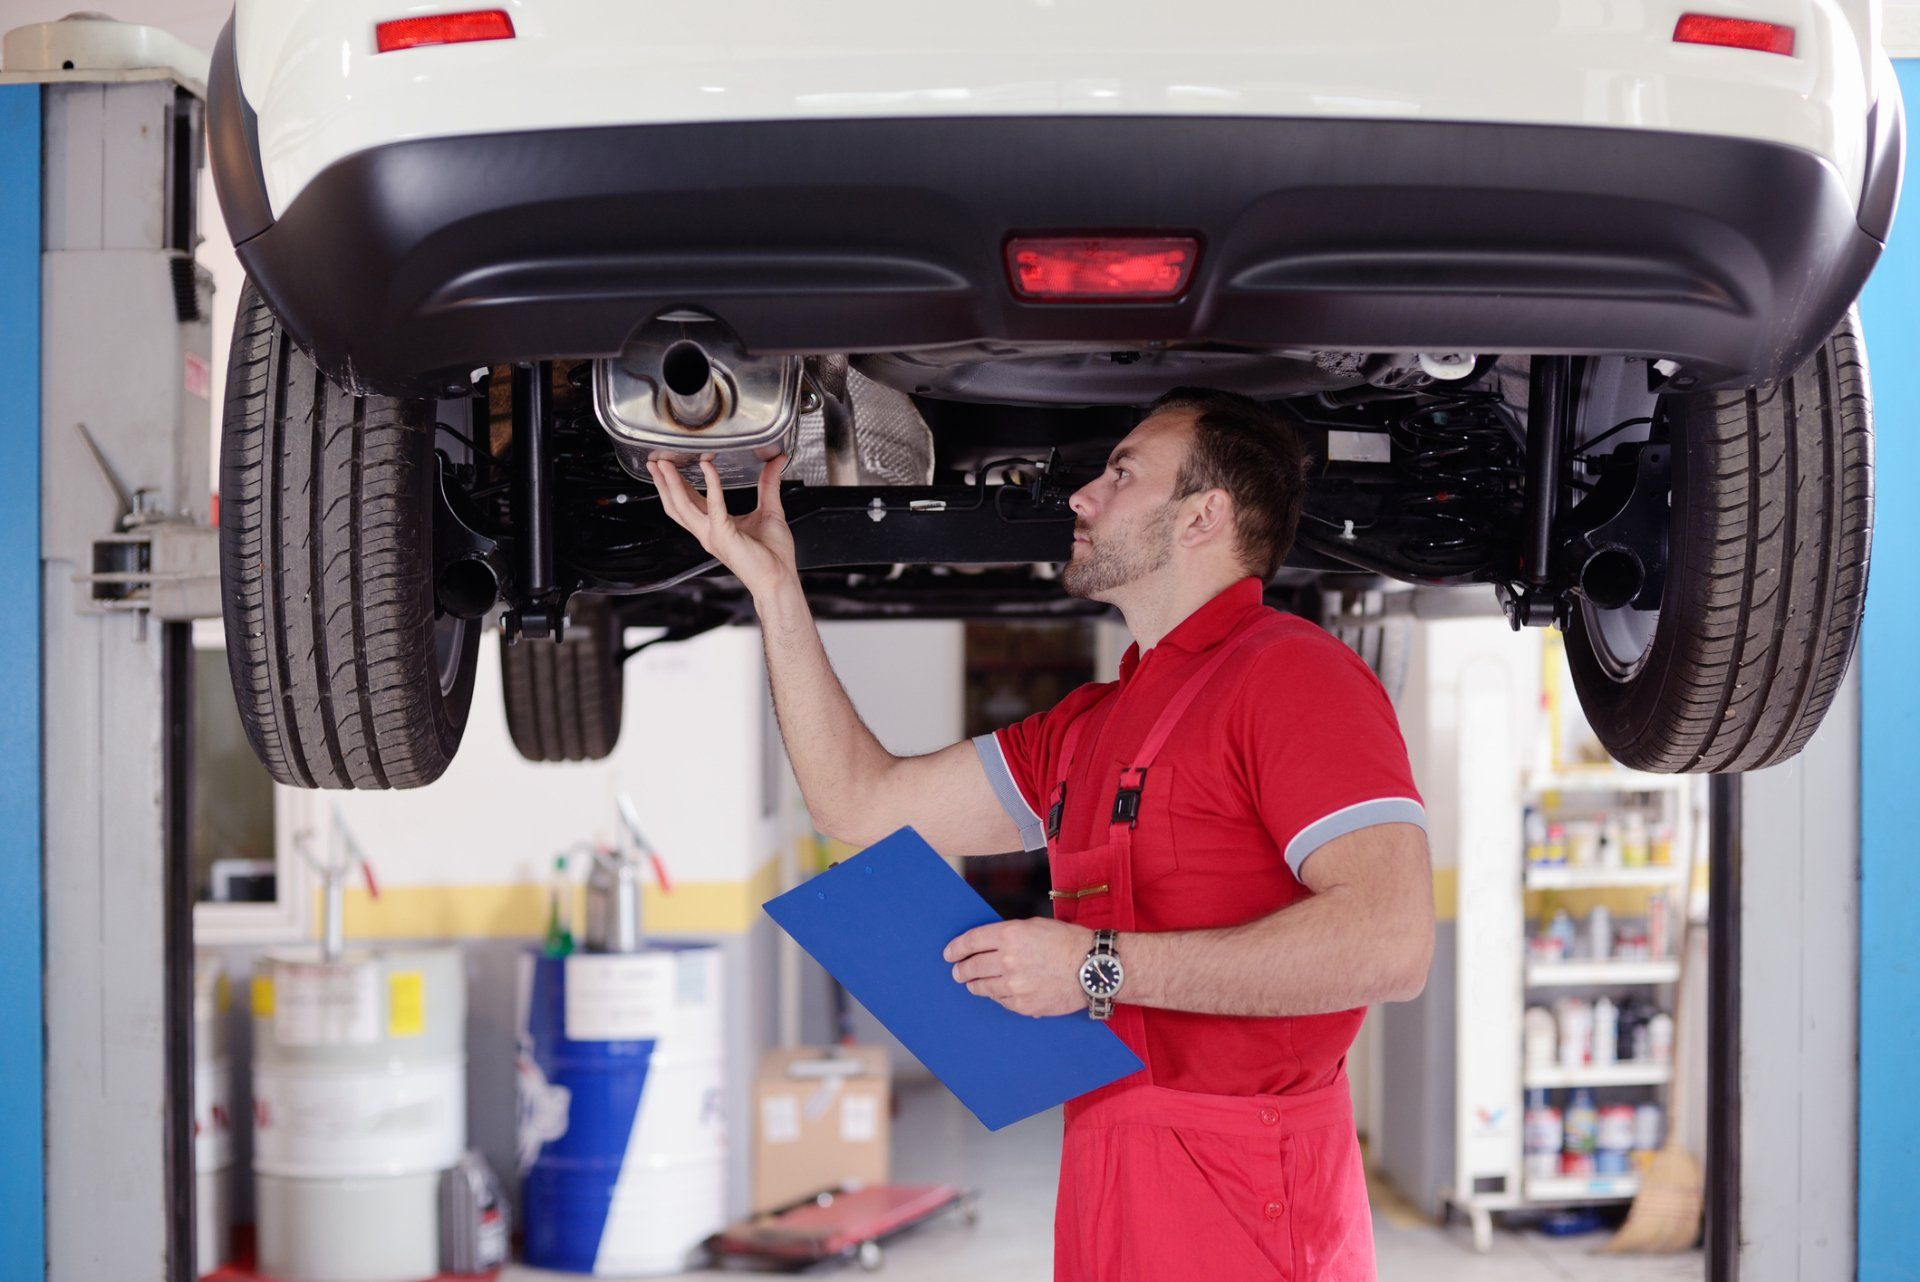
(1464, 453)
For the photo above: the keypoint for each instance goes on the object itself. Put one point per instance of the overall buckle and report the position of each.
(1126, 802)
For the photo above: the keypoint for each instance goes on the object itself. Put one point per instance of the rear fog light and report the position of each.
(1100, 268)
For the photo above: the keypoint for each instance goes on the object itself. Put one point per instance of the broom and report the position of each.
(1665, 1216)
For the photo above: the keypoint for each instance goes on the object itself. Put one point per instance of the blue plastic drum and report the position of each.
(622, 1137)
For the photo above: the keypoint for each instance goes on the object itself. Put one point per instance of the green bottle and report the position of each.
(559, 941)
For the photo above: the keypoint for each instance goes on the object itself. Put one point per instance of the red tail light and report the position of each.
(1733, 33)
(1101, 268)
(443, 29)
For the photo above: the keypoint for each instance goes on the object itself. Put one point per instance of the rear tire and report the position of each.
(1772, 516)
(563, 700)
(345, 675)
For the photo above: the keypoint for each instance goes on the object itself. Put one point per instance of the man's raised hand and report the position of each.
(756, 547)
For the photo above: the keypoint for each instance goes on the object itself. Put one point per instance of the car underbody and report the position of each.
(958, 509)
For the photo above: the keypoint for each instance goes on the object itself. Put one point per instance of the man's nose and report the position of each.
(1079, 504)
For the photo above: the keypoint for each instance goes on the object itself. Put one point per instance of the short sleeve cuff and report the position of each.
(1364, 814)
(1033, 833)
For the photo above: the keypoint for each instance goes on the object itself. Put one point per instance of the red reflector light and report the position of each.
(443, 29)
(1106, 268)
(1733, 33)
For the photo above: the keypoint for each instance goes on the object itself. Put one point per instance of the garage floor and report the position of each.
(936, 1140)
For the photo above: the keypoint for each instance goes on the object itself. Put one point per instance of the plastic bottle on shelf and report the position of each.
(1581, 1125)
(1583, 843)
(1541, 1038)
(1606, 1030)
(1556, 845)
(1660, 1038)
(1635, 850)
(1544, 1137)
(1613, 1140)
(1535, 828)
(1648, 1122)
(1657, 925)
(1610, 844)
(1599, 933)
(1562, 928)
(1660, 848)
(1575, 1017)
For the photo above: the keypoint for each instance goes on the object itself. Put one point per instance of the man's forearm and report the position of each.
(835, 757)
(1327, 953)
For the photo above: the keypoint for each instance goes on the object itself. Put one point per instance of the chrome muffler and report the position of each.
(684, 389)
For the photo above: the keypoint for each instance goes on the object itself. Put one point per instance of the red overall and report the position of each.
(1164, 1185)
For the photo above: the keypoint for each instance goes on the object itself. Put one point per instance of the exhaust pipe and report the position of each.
(692, 391)
(1612, 577)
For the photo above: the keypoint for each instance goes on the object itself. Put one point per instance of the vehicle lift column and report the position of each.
(105, 502)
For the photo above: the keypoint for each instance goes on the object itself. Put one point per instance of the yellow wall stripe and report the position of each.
(518, 910)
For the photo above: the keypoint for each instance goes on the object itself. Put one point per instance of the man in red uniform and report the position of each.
(1238, 859)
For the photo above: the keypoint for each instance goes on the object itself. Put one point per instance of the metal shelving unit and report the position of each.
(1498, 979)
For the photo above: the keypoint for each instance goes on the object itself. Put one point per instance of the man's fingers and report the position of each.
(676, 496)
(978, 966)
(981, 939)
(994, 988)
(770, 485)
(716, 497)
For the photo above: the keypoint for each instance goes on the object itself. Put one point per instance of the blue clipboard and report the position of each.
(878, 923)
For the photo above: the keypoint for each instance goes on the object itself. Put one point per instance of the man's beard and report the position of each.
(1122, 556)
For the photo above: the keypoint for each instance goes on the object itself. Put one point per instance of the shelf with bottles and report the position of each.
(1601, 948)
(1577, 1149)
(1581, 844)
(1597, 1042)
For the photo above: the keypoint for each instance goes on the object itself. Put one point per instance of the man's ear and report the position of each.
(1211, 515)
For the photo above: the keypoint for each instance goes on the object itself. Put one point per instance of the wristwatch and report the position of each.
(1101, 974)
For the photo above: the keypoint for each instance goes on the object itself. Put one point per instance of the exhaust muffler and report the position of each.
(684, 389)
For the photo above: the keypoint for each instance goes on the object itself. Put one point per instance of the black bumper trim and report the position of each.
(403, 267)
(233, 140)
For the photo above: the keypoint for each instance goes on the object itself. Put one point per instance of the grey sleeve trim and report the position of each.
(1363, 814)
(1033, 833)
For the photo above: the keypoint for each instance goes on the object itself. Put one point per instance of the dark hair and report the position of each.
(1253, 453)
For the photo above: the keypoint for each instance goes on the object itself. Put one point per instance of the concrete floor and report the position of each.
(938, 1141)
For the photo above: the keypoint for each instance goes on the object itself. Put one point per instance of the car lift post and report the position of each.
(122, 559)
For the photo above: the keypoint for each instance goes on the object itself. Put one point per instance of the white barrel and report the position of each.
(212, 1115)
(359, 1098)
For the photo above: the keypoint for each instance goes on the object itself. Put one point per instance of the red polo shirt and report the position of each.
(1292, 744)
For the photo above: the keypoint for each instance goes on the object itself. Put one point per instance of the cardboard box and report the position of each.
(820, 1119)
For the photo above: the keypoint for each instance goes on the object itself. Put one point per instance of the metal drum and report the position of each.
(623, 1152)
(360, 1102)
(212, 1116)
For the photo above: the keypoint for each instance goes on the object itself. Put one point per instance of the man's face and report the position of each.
(1124, 519)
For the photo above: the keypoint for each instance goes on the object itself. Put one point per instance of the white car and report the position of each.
(1561, 293)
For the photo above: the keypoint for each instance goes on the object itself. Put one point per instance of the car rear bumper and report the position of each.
(404, 266)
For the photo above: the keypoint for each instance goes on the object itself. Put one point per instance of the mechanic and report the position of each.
(1238, 854)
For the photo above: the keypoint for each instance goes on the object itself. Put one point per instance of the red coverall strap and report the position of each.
(1176, 709)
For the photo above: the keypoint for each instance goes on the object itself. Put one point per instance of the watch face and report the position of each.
(1100, 976)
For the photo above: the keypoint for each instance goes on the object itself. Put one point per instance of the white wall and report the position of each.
(690, 753)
